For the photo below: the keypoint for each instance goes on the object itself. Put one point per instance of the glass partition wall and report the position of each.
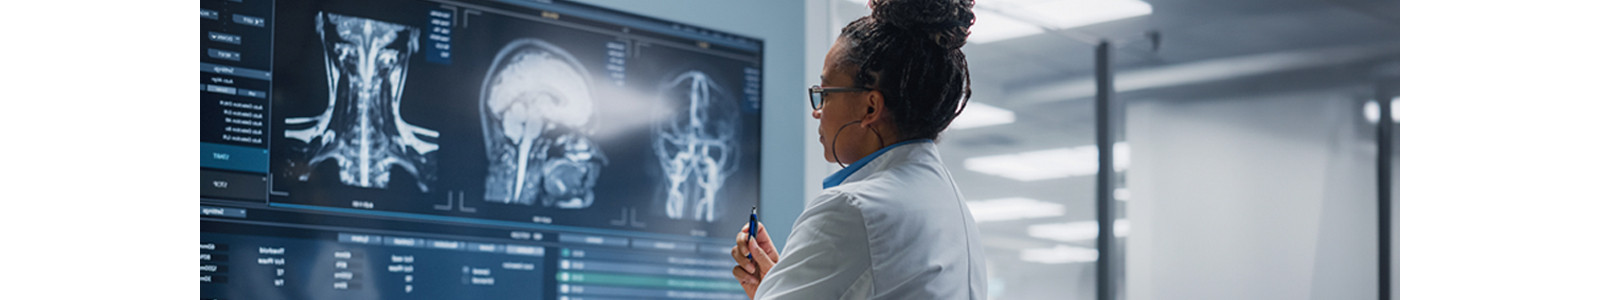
(1244, 135)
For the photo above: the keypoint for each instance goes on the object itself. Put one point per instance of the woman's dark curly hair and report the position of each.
(910, 50)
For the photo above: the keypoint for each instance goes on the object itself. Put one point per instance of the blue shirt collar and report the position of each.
(839, 177)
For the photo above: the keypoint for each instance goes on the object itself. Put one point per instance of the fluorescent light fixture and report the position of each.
(1050, 14)
(978, 114)
(1076, 231)
(1199, 72)
(1048, 164)
(1060, 254)
(1015, 208)
(1007, 19)
(1371, 111)
(994, 26)
(1394, 109)
(1062, 14)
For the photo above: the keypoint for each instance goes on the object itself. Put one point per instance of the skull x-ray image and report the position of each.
(697, 146)
(538, 111)
(361, 129)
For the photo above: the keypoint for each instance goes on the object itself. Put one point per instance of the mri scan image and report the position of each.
(697, 147)
(538, 111)
(361, 130)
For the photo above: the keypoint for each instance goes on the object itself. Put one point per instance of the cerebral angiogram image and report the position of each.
(698, 146)
(538, 113)
(361, 130)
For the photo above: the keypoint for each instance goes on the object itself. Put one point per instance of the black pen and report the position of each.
(752, 232)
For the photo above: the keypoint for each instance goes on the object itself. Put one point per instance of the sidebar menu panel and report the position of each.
(235, 77)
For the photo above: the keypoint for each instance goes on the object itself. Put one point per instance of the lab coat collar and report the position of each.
(839, 177)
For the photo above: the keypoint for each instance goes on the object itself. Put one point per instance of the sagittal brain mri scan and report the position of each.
(697, 147)
(471, 149)
(537, 112)
(361, 130)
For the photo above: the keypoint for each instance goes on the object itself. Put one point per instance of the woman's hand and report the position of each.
(751, 273)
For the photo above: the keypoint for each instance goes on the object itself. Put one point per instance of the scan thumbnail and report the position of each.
(538, 113)
(361, 130)
(697, 147)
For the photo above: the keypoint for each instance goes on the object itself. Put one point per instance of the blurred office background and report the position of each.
(1245, 145)
(1245, 132)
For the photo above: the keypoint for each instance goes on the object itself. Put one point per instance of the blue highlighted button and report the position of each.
(248, 159)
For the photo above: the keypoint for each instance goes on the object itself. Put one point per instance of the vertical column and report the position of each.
(1104, 290)
(1387, 141)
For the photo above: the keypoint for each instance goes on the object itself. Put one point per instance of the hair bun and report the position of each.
(946, 21)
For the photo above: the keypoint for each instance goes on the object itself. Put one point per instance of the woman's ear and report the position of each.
(875, 108)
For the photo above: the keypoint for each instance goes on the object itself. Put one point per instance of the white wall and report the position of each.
(1252, 197)
(782, 25)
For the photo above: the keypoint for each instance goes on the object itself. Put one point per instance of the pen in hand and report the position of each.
(752, 232)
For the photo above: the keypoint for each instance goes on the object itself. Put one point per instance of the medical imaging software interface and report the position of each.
(494, 149)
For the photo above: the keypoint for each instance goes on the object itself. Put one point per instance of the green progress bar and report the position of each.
(646, 281)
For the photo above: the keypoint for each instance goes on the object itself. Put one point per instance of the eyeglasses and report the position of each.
(818, 91)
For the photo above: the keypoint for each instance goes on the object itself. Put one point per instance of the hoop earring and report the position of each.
(833, 147)
(880, 137)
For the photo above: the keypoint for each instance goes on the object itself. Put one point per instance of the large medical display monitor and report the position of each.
(483, 149)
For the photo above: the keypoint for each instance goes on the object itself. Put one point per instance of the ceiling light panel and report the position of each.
(1076, 231)
(1060, 254)
(978, 114)
(1015, 208)
(994, 26)
(1063, 14)
(1006, 19)
(1049, 163)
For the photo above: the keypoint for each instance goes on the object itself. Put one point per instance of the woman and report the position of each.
(892, 224)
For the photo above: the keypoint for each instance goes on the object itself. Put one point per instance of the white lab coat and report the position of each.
(891, 226)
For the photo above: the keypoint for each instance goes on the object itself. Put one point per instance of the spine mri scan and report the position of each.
(696, 147)
(360, 129)
(538, 113)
